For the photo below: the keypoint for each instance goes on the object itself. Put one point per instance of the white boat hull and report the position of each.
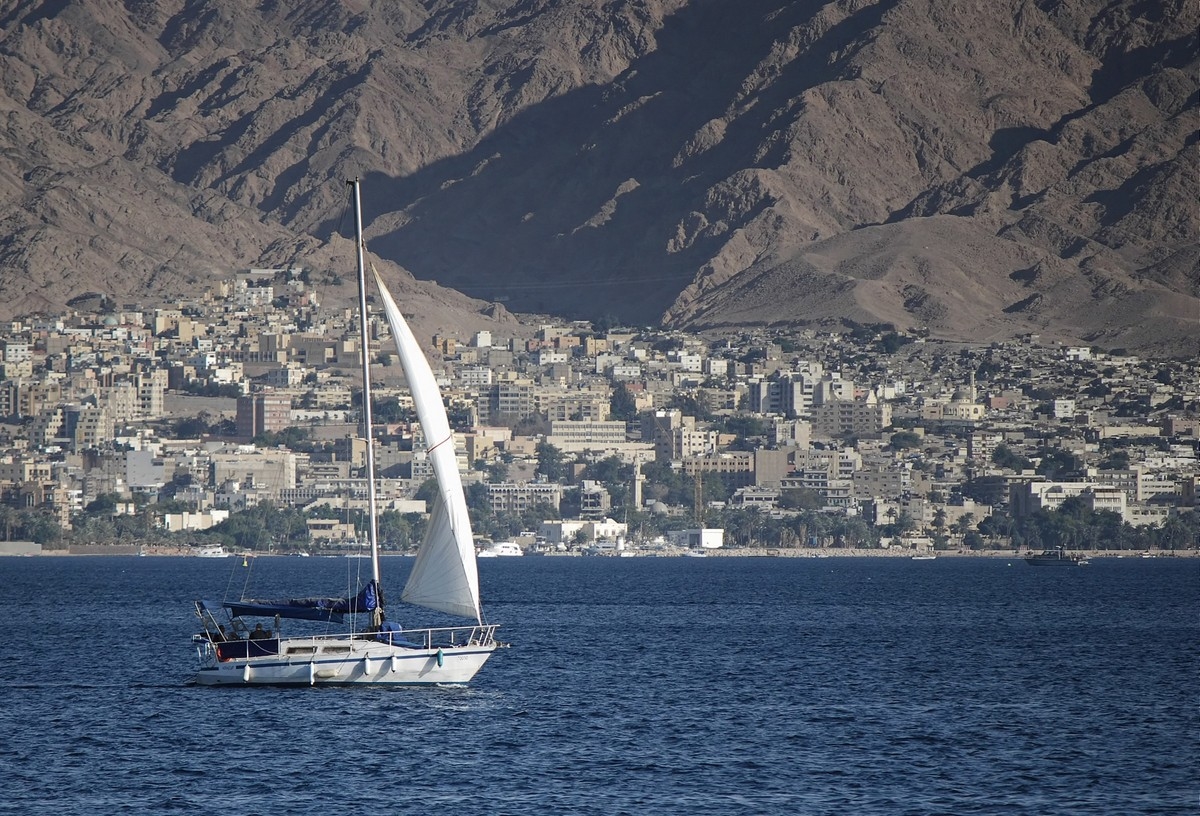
(504, 549)
(312, 662)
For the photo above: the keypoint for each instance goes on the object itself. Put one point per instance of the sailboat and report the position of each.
(444, 577)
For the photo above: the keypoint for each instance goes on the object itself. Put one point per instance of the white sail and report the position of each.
(444, 576)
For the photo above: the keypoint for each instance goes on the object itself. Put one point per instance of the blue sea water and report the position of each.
(633, 686)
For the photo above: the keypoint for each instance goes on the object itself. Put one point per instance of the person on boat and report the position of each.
(222, 635)
(259, 633)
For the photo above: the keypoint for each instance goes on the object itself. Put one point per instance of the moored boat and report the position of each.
(501, 549)
(1057, 557)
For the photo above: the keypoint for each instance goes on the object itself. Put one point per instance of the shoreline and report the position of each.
(740, 552)
(851, 552)
(898, 553)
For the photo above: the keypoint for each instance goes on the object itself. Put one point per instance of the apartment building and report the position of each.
(840, 418)
(264, 412)
(509, 497)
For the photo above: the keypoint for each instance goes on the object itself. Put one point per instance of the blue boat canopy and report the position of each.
(318, 609)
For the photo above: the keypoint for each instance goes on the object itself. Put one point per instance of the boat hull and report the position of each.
(1058, 557)
(504, 549)
(303, 662)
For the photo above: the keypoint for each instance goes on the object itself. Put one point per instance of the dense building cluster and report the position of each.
(183, 416)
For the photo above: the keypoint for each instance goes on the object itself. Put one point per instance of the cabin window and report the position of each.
(302, 650)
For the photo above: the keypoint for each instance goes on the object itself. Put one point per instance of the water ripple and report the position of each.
(669, 686)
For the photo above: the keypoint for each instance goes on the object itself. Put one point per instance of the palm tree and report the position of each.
(905, 523)
(939, 518)
(853, 532)
(1175, 534)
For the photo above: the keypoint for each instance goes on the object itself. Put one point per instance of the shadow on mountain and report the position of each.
(569, 207)
(1114, 74)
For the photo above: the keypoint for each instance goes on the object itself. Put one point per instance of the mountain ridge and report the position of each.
(652, 161)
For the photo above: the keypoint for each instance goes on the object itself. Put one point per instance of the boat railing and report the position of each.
(483, 635)
(473, 635)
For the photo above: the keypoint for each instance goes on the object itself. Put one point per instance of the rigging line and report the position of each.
(339, 230)
(439, 444)
(229, 585)
(247, 564)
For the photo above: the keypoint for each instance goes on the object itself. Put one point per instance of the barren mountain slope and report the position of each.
(938, 273)
(645, 159)
(147, 150)
(1080, 193)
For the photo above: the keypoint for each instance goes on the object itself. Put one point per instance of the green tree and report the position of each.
(396, 531)
(292, 437)
(532, 517)
(1056, 462)
(103, 505)
(666, 484)
(1178, 532)
(963, 524)
(891, 342)
(1003, 457)
(40, 528)
(531, 425)
(478, 498)
(905, 440)
(939, 518)
(427, 492)
(853, 532)
(745, 426)
(903, 523)
(809, 528)
(615, 475)
(389, 410)
(622, 404)
(691, 405)
(801, 498)
(191, 428)
(550, 462)
(1117, 460)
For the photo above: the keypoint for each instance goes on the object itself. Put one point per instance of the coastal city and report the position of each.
(231, 424)
(665, 407)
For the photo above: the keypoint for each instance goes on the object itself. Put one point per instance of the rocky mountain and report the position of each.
(977, 169)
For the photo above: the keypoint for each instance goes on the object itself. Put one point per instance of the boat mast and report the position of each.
(372, 527)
